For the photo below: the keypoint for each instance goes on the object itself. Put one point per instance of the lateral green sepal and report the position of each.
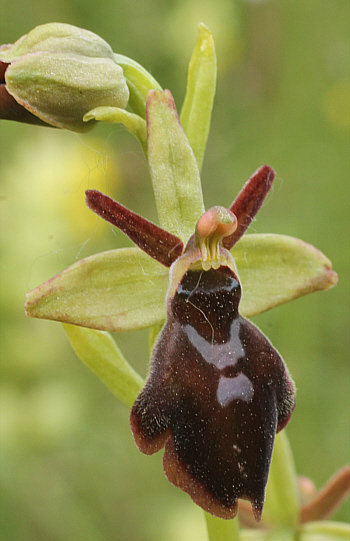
(119, 290)
(275, 269)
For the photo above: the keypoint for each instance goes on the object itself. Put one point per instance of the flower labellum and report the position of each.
(217, 391)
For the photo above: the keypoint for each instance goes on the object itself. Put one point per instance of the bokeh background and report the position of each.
(69, 467)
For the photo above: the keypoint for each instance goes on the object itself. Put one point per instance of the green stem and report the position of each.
(222, 530)
(282, 505)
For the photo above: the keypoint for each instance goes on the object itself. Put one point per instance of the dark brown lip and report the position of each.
(217, 393)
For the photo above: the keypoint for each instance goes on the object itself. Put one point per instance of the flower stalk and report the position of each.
(222, 530)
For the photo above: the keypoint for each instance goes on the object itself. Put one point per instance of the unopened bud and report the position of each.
(59, 73)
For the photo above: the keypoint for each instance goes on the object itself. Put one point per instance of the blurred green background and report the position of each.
(69, 467)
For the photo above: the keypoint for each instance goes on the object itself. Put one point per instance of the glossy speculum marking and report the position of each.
(216, 395)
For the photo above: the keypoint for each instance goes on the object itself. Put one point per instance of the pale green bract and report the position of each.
(100, 353)
(198, 104)
(114, 115)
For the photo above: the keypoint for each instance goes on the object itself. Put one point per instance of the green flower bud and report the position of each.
(59, 73)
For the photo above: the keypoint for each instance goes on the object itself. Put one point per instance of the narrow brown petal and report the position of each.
(156, 242)
(249, 201)
(329, 498)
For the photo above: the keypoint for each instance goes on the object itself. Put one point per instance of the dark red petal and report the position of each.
(249, 201)
(213, 397)
(156, 242)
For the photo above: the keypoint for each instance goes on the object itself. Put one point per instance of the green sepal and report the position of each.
(201, 83)
(125, 289)
(114, 115)
(119, 290)
(139, 82)
(275, 269)
(173, 168)
(281, 507)
(99, 352)
(324, 531)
